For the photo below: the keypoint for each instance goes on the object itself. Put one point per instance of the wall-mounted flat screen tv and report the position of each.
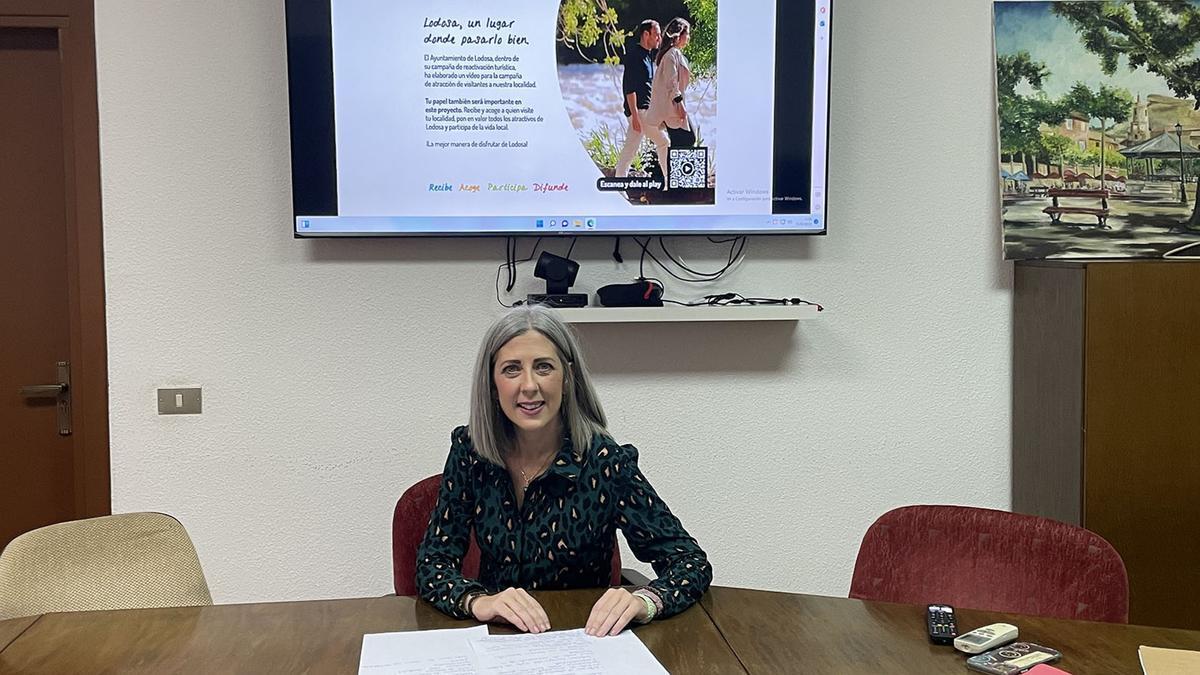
(532, 117)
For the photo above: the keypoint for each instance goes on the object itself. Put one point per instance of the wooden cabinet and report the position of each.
(1106, 417)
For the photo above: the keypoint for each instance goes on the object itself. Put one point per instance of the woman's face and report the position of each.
(528, 377)
(683, 39)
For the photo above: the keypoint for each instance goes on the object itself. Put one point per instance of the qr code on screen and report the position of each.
(689, 168)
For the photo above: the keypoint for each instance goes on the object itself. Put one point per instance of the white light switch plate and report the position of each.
(179, 401)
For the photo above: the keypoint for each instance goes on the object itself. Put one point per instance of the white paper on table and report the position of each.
(570, 651)
(420, 652)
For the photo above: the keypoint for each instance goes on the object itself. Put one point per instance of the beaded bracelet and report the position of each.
(651, 608)
(650, 592)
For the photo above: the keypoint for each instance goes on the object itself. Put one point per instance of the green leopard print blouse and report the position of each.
(563, 534)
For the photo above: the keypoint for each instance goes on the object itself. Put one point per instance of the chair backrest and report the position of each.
(991, 560)
(126, 561)
(410, 519)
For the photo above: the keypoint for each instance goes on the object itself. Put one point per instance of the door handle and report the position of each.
(42, 390)
(60, 391)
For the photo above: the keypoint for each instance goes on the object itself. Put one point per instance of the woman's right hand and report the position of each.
(514, 606)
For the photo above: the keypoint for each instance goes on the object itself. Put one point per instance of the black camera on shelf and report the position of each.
(559, 273)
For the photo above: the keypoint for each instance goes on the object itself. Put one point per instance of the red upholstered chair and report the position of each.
(409, 522)
(991, 560)
(411, 518)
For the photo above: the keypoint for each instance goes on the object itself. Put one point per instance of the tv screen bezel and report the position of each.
(298, 50)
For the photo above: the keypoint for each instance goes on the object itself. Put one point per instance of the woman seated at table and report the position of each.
(544, 486)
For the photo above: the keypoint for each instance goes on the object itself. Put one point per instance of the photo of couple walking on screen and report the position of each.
(641, 94)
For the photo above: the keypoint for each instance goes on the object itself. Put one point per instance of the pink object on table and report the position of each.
(1046, 669)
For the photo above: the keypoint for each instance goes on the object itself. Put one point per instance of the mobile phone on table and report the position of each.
(1017, 657)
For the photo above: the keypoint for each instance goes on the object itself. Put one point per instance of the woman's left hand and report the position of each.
(613, 611)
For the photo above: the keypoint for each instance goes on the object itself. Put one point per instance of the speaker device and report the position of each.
(641, 293)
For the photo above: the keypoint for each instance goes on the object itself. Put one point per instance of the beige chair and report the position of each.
(126, 561)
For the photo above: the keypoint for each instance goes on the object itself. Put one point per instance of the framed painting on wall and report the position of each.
(1099, 128)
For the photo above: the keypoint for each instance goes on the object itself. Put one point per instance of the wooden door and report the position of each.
(53, 446)
(1142, 458)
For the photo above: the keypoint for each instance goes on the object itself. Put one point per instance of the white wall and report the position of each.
(333, 371)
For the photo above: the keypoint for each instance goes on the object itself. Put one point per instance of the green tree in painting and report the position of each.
(1115, 159)
(1056, 146)
(1105, 104)
(1158, 35)
(1020, 115)
(1075, 157)
(1110, 158)
(1011, 69)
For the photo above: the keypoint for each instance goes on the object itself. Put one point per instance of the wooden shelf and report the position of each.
(677, 313)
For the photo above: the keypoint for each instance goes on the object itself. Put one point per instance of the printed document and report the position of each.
(471, 651)
(570, 651)
(420, 652)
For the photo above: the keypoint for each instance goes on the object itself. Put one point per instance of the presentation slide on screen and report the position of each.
(461, 116)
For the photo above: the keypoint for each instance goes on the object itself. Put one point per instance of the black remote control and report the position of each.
(943, 628)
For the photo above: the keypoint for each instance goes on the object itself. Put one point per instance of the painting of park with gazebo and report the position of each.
(1098, 108)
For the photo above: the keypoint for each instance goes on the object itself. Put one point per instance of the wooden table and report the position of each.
(789, 633)
(322, 636)
(731, 631)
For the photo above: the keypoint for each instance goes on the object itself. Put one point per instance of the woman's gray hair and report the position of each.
(490, 429)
